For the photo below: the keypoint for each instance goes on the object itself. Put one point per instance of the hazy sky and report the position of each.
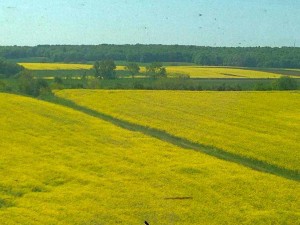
(190, 22)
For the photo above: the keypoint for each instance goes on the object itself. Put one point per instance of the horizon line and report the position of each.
(206, 46)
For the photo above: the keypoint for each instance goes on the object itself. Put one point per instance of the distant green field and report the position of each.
(61, 166)
(288, 72)
(50, 74)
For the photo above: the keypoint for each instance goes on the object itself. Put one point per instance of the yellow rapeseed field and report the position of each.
(219, 72)
(60, 66)
(259, 125)
(55, 66)
(192, 71)
(60, 166)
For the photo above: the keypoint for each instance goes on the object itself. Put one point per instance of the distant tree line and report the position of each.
(285, 57)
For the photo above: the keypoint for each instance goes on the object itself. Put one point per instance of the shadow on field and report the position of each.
(181, 142)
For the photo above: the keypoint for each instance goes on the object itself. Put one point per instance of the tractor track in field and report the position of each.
(181, 142)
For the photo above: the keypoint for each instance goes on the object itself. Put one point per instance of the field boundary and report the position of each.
(182, 142)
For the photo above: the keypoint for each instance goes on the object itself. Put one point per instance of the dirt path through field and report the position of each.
(183, 143)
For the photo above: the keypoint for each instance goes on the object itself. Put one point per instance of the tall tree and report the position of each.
(105, 69)
(133, 69)
(156, 70)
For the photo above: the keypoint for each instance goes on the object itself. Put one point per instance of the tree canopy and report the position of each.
(30, 86)
(9, 69)
(132, 68)
(284, 57)
(156, 70)
(105, 69)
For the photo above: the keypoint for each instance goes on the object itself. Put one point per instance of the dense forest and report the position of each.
(284, 57)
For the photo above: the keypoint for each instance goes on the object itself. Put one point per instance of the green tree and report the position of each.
(96, 67)
(8, 69)
(58, 80)
(133, 69)
(2, 86)
(105, 69)
(285, 83)
(30, 86)
(156, 70)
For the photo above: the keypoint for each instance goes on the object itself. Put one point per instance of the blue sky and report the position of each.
(189, 22)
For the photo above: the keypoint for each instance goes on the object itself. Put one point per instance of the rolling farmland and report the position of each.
(61, 166)
(220, 72)
(192, 71)
(59, 66)
(259, 125)
(149, 113)
(55, 66)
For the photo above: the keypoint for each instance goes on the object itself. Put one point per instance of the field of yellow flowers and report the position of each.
(219, 72)
(59, 66)
(61, 166)
(261, 125)
(55, 66)
(173, 71)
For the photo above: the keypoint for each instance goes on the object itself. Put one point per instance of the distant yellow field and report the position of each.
(59, 66)
(59, 166)
(55, 66)
(219, 72)
(192, 71)
(260, 125)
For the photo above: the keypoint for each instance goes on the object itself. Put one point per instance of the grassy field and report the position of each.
(192, 71)
(189, 84)
(60, 166)
(260, 125)
(280, 71)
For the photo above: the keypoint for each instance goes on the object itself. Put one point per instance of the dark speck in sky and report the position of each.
(104, 20)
